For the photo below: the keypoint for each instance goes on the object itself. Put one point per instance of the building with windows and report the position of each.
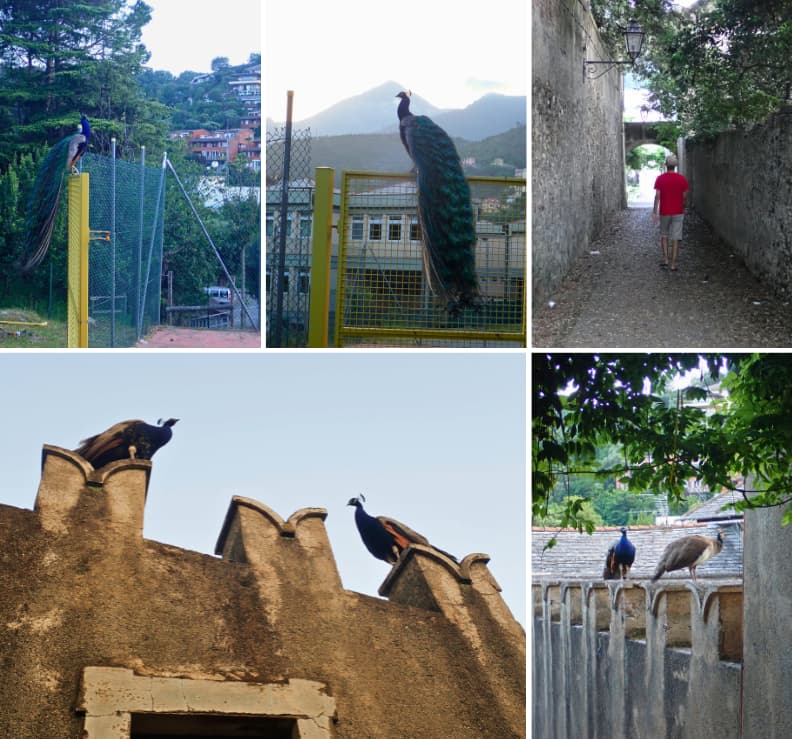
(384, 247)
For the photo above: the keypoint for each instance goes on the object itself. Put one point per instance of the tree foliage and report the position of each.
(60, 59)
(712, 66)
(582, 402)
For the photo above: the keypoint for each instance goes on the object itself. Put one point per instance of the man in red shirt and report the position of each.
(671, 189)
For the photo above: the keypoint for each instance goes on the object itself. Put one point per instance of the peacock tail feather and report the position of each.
(445, 212)
(45, 195)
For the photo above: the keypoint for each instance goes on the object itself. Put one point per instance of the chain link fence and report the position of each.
(127, 202)
(289, 220)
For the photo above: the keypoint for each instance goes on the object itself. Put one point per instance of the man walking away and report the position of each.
(671, 189)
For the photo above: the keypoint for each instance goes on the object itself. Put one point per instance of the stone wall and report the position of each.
(102, 630)
(741, 184)
(634, 659)
(577, 139)
(767, 688)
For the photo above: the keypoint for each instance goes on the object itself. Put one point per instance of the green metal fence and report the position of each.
(382, 297)
(127, 202)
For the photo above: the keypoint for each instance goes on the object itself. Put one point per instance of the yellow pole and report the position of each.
(321, 250)
(77, 309)
(341, 262)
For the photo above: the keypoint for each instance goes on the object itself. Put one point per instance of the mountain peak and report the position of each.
(374, 111)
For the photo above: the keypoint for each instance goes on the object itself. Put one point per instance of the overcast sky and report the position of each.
(188, 35)
(448, 53)
(435, 440)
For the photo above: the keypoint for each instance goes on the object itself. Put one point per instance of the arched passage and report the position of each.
(643, 158)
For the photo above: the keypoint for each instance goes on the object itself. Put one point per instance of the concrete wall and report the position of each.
(98, 625)
(767, 688)
(633, 659)
(577, 139)
(741, 184)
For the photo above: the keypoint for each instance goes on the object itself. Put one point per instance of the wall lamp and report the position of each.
(633, 40)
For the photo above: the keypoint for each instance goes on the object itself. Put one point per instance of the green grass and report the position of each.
(18, 335)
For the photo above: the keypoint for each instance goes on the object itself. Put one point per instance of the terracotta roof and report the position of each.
(582, 556)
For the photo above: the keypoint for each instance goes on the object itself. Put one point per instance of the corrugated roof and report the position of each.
(582, 556)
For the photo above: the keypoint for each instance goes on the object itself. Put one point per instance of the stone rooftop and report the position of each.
(719, 507)
(582, 556)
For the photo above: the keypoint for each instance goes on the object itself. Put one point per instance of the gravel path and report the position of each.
(617, 295)
(192, 338)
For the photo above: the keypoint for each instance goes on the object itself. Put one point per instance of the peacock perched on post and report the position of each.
(448, 228)
(46, 193)
(385, 537)
(133, 439)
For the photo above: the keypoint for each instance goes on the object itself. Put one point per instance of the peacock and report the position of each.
(385, 537)
(46, 193)
(133, 439)
(690, 552)
(448, 228)
(620, 558)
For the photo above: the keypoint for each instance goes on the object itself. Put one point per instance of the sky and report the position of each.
(448, 53)
(435, 440)
(188, 35)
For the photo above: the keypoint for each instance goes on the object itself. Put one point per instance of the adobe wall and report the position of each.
(741, 184)
(91, 613)
(636, 659)
(577, 139)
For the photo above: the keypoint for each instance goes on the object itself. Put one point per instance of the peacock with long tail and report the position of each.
(386, 538)
(448, 228)
(133, 439)
(46, 193)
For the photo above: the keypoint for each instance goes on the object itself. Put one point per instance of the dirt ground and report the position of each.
(165, 337)
(616, 294)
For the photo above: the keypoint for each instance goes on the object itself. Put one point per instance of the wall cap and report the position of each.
(286, 528)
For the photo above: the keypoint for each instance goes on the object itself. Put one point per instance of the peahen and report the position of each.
(46, 193)
(448, 228)
(126, 440)
(385, 537)
(620, 558)
(690, 552)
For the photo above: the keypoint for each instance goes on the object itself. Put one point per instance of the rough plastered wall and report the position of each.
(741, 184)
(577, 139)
(98, 623)
(767, 688)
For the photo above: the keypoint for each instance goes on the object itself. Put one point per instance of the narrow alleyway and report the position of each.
(617, 295)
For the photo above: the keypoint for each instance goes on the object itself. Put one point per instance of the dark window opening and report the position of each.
(160, 726)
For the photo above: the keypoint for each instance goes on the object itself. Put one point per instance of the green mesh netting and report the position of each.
(124, 274)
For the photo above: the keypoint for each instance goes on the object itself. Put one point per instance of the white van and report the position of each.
(218, 296)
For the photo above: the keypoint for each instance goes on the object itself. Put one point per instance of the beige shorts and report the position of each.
(671, 226)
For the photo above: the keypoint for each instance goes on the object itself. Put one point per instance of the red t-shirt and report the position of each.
(671, 186)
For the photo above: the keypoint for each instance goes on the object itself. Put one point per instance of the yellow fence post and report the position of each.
(77, 275)
(321, 250)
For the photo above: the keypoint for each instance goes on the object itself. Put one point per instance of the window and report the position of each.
(117, 704)
(394, 228)
(415, 230)
(304, 281)
(159, 726)
(375, 229)
(357, 228)
(305, 227)
(270, 227)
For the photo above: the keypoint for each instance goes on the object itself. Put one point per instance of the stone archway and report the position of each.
(638, 134)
